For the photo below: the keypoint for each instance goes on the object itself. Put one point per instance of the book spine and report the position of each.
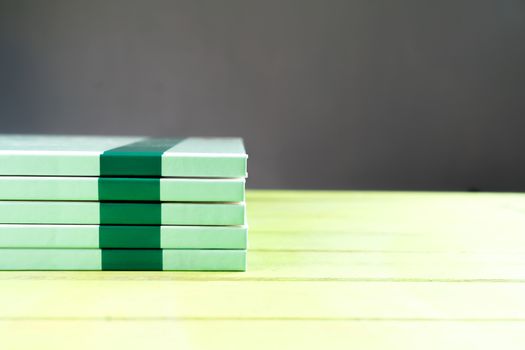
(114, 213)
(123, 259)
(123, 236)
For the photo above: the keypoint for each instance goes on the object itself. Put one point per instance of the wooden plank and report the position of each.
(149, 299)
(387, 221)
(366, 270)
(263, 335)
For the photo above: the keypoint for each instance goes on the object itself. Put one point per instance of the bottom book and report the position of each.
(123, 259)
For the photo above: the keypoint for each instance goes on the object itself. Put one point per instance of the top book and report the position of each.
(121, 156)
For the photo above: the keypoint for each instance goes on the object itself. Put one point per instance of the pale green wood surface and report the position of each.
(335, 270)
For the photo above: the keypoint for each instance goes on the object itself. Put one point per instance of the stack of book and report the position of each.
(122, 203)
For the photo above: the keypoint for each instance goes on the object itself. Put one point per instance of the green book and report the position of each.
(123, 259)
(121, 156)
(123, 236)
(121, 189)
(118, 213)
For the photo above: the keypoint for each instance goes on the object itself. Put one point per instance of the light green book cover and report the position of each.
(121, 189)
(123, 259)
(123, 236)
(119, 213)
(121, 156)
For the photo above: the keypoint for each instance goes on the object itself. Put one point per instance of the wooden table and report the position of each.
(333, 270)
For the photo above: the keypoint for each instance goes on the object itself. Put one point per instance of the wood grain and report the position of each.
(338, 269)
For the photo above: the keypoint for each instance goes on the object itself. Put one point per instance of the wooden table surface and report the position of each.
(339, 270)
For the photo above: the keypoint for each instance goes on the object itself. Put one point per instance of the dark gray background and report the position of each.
(327, 94)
